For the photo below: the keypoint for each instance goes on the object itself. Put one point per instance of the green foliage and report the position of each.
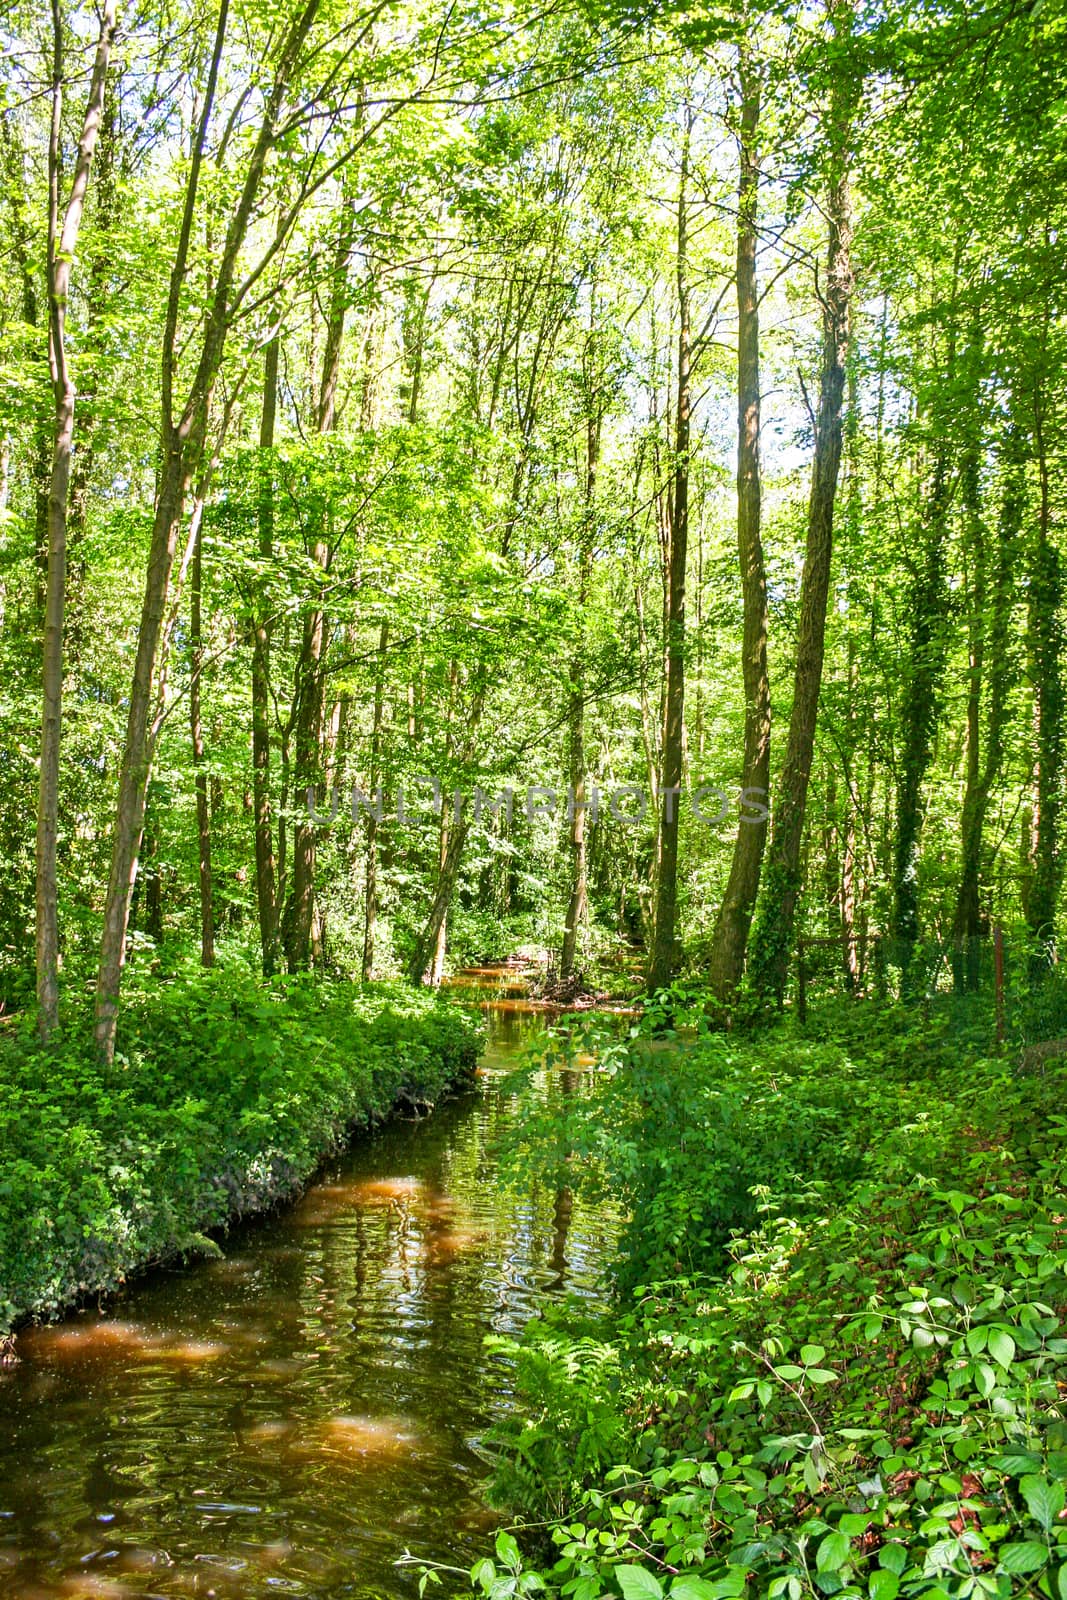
(569, 1427)
(684, 1126)
(864, 1394)
(225, 1096)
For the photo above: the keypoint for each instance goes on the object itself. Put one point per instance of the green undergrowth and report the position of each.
(225, 1095)
(836, 1362)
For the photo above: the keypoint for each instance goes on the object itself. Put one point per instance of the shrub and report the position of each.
(861, 1389)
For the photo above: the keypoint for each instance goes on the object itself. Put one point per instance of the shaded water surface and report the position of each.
(290, 1419)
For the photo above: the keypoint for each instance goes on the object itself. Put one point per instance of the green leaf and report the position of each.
(637, 1583)
(893, 1557)
(1016, 1462)
(883, 1585)
(832, 1553)
(731, 1586)
(507, 1550)
(483, 1572)
(688, 1587)
(985, 1379)
(812, 1475)
(1044, 1500)
(1001, 1347)
(1028, 1557)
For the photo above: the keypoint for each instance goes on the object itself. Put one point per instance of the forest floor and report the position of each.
(226, 1095)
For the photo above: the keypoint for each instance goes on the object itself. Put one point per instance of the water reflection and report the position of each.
(288, 1420)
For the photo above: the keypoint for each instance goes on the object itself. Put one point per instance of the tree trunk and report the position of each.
(335, 321)
(370, 905)
(982, 771)
(417, 305)
(203, 807)
(61, 247)
(664, 947)
(299, 917)
(183, 448)
(578, 903)
(97, 306)
(22, 246)
(427, 963)
(1047, 642)
(266, 878)
(153, 882)
(850, 864)
(735, 913)
(773, 934)
(919, 712)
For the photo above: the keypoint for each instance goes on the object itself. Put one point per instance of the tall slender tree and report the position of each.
(62, 243)
(184, 435)
(664, 957)
(773, 935)
(739, 900)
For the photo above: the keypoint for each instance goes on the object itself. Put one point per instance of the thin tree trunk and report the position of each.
(266, 877)
(335, 321)
(183, 447)
(299, 920)
(22, 245)
(203, 807)
(780, 889)
(427, 963)
(61, 247)
(298, 916)
(414, 334)
(1047, 642)
(850, 843)
(578, 903)
(97, 299)
(922, 699)
(831, 854)
(370, 904)
(735, 913)
(664, 947)
(982, 770)
(153, 881)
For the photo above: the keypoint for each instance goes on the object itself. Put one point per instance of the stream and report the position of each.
(290, 1419)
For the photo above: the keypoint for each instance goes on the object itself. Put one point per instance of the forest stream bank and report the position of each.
(224, 1098)
(290, 1417)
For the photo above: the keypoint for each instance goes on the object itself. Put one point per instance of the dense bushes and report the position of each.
(863, 1389)
(225, 1095)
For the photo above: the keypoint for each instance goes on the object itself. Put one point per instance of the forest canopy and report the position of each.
(422, 401)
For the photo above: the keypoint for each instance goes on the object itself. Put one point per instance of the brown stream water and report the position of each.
(289, 1420)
